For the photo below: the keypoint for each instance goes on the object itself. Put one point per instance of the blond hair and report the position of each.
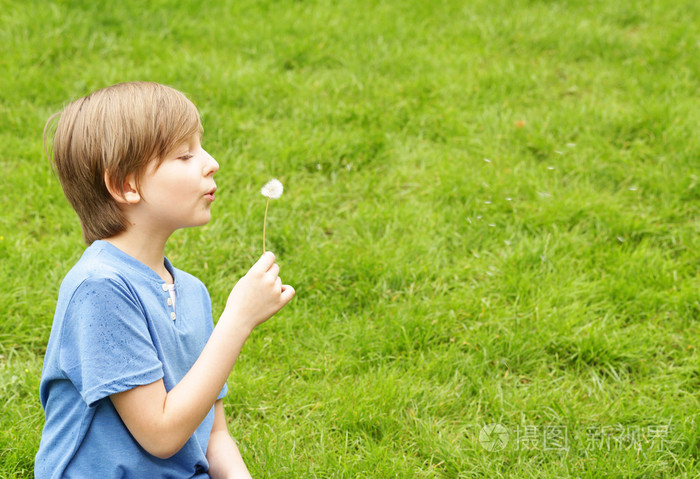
(111, 134)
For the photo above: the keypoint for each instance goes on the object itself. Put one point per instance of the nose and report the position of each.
(212, 166)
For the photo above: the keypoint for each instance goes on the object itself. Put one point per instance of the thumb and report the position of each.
(265, 262)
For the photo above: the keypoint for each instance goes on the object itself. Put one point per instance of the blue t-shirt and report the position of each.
(116, 328)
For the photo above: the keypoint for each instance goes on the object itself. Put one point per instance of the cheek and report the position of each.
(177, 182)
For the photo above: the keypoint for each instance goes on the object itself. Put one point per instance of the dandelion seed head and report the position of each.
(273, 189)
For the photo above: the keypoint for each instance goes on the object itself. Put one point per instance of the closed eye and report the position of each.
(185, 157)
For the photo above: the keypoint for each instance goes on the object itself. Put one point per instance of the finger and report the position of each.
(278, 284)
(287, 293)
(264, 263)
(274, 270)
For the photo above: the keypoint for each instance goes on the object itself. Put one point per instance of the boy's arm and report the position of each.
(161, 421)
(225, 460)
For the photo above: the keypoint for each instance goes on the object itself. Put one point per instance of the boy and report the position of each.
(135, 372)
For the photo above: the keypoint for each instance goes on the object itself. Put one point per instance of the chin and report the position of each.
(204, 221)
(198, 222)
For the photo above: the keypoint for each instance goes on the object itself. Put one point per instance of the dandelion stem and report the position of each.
(265, 224)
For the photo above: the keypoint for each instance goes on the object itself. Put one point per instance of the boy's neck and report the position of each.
(148, 250)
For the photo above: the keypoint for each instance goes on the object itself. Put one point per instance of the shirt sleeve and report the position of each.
(106, 346)
(223, 393)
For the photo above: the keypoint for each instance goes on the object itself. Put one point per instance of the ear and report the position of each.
(125, 194)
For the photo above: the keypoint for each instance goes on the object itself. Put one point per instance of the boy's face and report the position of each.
(179, 192)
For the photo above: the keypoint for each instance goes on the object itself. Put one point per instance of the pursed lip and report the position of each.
(211, 194)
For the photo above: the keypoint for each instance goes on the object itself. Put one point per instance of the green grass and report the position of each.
(490, 216)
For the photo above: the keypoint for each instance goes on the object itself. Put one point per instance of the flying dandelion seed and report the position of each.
(272, 190)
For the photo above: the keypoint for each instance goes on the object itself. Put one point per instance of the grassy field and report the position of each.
(490, 217)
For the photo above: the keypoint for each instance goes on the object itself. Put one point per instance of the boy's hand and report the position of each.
(259, 294)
